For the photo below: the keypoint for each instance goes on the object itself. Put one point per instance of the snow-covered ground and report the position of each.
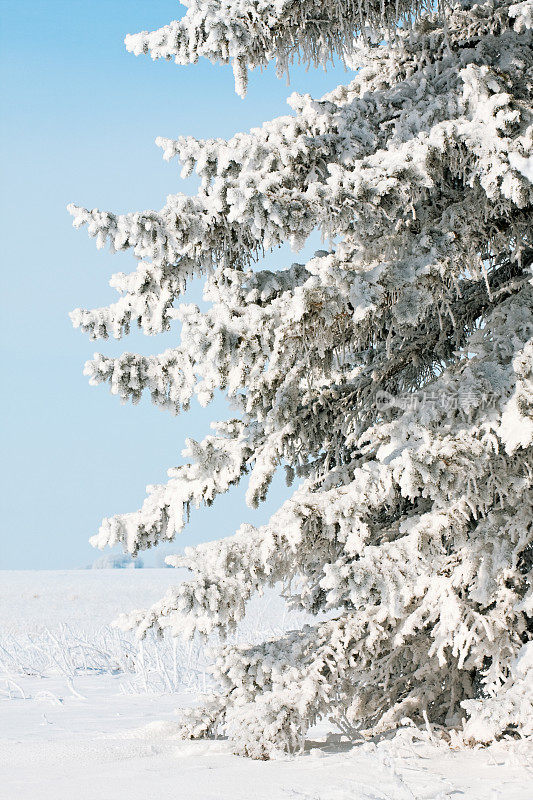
(84, 714)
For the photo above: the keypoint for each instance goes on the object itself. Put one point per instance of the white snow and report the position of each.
(522, 164)
(95, 733)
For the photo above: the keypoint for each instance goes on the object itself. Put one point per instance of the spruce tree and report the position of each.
(391, 376)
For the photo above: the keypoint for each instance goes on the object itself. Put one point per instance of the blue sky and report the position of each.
(79, 120)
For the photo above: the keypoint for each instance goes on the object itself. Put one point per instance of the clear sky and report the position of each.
(79, 119)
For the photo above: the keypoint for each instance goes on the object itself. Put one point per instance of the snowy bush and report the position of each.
(69, 652)
(391, 375)
(79, 647)
(506, 709)
(117, 561)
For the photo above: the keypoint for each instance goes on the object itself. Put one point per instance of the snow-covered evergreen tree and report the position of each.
(391, 375)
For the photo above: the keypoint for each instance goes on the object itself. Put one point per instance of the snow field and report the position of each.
(85, 714)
